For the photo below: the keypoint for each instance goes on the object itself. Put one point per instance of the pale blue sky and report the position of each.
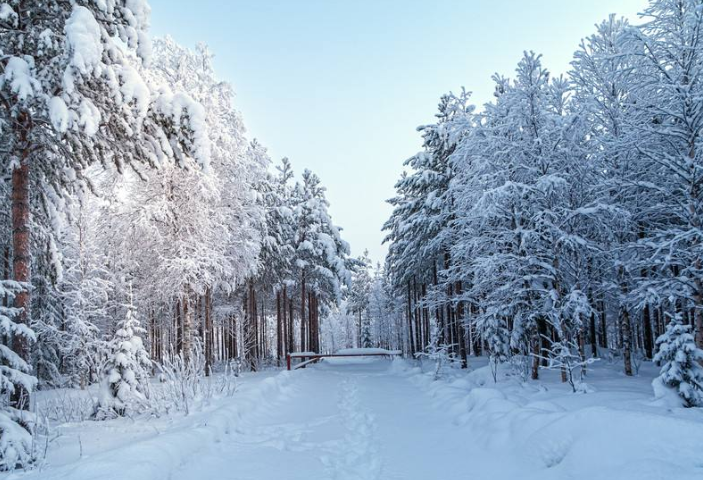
(340, 86)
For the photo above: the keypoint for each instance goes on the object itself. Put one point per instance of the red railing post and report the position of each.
(288, 361)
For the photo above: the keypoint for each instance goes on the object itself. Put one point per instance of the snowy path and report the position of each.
(345, 421)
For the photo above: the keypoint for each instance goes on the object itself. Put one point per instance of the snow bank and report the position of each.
(157, 454)
(557, 434)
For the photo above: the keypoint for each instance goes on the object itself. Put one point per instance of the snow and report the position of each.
(381, 419)
(58, 113)
(6, 13)
(133, 88)
(18, 73)
(83, 38)
(89, 117)
(180, 106)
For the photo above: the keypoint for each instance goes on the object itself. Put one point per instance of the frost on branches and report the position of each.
(681, 364)
(15, 423)
(125, 374)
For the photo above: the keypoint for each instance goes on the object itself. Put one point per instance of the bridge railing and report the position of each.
(313, 357)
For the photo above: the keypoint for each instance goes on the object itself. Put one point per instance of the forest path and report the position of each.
(343, 420)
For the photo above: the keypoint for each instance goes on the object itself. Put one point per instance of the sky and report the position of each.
(340, 87)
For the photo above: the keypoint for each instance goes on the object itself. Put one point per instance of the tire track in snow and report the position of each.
(357, 455)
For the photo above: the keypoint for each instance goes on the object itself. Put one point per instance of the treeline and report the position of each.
(563, 218)
(139, 225)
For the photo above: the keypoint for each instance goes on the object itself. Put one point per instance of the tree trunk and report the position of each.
(6, 275)
(411, 338)
(291, 326)
(461, 333)
(603, 326)
(187, 329)
(543, 341)
(648, 340)
(626, 332)
(592, 335)
(478, 341)
(279, 329)
(698, 306)
(302, 313)
(209, 333)
(535, 359)
(178, 325)
(286, 321)
(426, 318)
(22, 260)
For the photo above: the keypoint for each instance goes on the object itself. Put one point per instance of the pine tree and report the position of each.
(321, 257)
(681, 359)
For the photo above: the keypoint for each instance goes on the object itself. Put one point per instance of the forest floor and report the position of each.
(363, 419)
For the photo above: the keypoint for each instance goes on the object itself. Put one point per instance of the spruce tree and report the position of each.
(125, 374)
(16, 424)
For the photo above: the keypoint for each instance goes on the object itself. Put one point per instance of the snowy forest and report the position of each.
(153, 254)
(564, 217)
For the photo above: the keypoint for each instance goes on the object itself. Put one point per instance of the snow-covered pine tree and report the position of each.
(359, 295)
(680, 361)
(420, 227)
(277, 251)
(321, 257)
(125, 375)
(509, 189)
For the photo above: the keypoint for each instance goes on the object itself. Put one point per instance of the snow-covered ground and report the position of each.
(364, 418)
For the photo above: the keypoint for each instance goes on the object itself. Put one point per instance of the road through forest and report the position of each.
(341, 419)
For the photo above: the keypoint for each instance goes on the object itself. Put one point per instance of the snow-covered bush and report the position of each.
(680, 359)
(438, 352)
(125, 374)
(15, 421)
(182, 379)
(183, 382)
(66, 406)
(497, 337)
(566, 357)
